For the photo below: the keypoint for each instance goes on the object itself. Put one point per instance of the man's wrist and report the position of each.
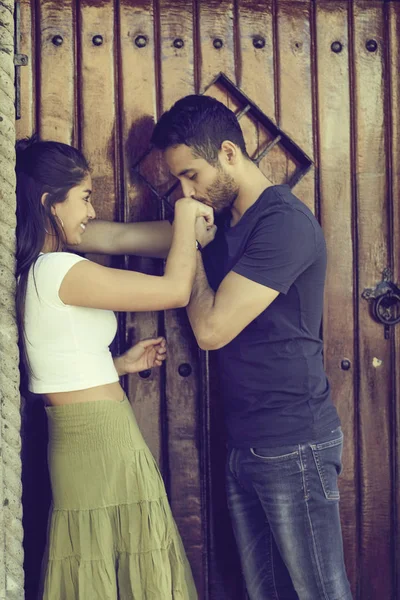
(199, 247)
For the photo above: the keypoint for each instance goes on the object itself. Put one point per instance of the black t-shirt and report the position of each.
(273, 380)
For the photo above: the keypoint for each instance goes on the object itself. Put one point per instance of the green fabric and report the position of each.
(111, 533)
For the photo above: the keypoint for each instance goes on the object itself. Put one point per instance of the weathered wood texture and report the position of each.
(335, 201)
(327, 72)
(373, 256)
(393, 108)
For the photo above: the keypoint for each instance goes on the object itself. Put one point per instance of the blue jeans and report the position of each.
(284, 505)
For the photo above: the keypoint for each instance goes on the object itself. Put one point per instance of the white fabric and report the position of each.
(67, 346)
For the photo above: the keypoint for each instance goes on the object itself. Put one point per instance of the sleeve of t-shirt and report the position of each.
(280, 248)
(49, 272)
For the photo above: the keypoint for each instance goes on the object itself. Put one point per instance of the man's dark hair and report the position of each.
(200, 122)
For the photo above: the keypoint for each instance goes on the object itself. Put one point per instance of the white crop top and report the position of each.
(67, 346)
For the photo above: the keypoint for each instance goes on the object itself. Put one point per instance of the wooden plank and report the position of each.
(56, 93)
(176, 51)
(255, 20)
(182, 391)
(97, 119)
(376, 572)
(215, 22)
(335, 187)
(257, 72)
(137, 106)
(393, 36)
(295, 85)
(26, 125)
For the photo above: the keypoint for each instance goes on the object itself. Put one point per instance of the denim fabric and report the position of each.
(284, 504)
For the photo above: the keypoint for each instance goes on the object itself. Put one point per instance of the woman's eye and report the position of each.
(193, 176)
(87, 199)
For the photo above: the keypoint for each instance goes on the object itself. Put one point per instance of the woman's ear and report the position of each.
(43, 201)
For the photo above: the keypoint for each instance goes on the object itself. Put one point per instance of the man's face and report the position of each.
(200, 180)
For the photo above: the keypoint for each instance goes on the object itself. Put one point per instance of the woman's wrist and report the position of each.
(119, 367)
(187, 207)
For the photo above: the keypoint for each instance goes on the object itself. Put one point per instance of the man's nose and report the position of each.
(187, 189)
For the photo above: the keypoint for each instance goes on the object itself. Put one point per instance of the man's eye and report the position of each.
(193, 177)
(87, 199)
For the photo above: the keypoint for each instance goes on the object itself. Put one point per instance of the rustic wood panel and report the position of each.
(56, 89)
(295, 85)
(97, 102)
(257, 26)
(335, 198)
(393, 37)
(372, 237)
(137, 88)
(215, 23)
(26, 125)
(346, 106)
(182, 391)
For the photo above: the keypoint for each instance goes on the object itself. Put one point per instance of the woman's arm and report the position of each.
(92, 285)
(146, 354)
(150, 238)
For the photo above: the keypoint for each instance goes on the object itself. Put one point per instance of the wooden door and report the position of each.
(327, 72)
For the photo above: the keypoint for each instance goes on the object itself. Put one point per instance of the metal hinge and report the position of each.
(20, 60)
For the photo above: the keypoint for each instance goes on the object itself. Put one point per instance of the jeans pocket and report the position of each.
(328, 460)
(266, 455)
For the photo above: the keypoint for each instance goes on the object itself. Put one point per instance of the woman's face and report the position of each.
(73, 214)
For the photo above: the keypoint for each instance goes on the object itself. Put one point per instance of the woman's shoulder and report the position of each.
(57, 260)
(60, 256)
(49, 271)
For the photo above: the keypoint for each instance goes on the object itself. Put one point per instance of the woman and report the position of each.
(111, 532)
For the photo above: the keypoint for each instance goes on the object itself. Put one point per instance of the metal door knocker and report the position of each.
(385, 303)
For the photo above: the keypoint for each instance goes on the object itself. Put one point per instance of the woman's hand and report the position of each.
(146, 354)
(204, 233)
(199, 209)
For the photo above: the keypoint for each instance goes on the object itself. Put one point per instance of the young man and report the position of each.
(257, 300)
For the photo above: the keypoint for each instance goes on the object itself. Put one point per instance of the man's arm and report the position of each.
(217, 318)
(151, 238)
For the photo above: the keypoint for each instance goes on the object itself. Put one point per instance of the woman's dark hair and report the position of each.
(42, 167)
(200, 122)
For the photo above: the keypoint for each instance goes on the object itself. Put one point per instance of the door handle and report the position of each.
(385, 301)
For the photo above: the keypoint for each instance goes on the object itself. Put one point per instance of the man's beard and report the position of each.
(222, 193)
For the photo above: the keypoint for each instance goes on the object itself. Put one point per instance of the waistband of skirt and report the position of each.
(89, 425)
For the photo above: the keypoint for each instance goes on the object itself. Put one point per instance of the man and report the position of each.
(257, 300)
(262, 313)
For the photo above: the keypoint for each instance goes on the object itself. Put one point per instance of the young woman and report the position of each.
(111, 533)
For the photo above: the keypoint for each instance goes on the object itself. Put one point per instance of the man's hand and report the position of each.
(146, 354)
(204, 233)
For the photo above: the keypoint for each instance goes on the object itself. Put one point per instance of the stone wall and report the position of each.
(11, 533)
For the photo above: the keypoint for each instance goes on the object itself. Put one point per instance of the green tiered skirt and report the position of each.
(111, 533)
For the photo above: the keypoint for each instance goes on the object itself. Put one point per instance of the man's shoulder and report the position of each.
(280, 206)
(281, 197)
